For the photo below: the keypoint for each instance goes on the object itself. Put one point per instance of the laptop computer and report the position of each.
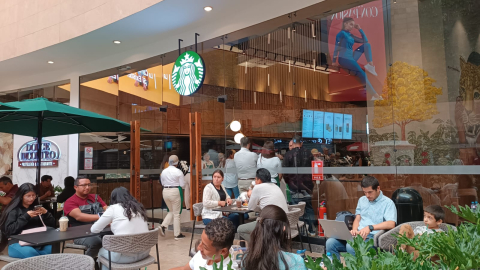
(336, 229)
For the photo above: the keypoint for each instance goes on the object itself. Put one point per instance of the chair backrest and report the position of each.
(197, 209)
(293, 216)
(53, 261)
(300, 205)
(131, 243)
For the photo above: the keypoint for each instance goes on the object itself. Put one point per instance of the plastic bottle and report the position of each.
(301, 253)
(329, 255)
(476, 205)
(472, 206)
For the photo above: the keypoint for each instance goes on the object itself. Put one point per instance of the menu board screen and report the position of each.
(347, 126)
(338, 126)
(318, 124)
(307, 124)
(328, 130)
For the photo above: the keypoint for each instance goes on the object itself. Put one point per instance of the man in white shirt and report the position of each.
(217, 238)
(246, 163)
(264, 193)
(172, 181)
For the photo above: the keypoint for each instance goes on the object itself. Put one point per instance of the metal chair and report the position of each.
(133, 243)
(301, 224)
(197, 212)
(73, 246)
(53, 261)
(293, 216)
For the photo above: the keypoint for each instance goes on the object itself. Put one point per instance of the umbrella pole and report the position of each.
(39, 146)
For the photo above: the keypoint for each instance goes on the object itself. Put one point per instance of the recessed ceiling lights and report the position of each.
(117, 41)
(50, 62)
(208, 8)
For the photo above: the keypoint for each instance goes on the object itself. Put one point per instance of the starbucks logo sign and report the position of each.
(188, 73)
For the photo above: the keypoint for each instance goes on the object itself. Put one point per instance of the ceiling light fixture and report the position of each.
(50, 62)
(117, 41)
(238, 137)
(208, 8)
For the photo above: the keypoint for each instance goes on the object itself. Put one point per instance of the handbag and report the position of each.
(92, 208)
(34, 230)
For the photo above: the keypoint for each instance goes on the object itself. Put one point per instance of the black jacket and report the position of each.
(18, 220)
(66, 194)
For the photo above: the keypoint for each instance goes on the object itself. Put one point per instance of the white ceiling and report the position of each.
(148, 33)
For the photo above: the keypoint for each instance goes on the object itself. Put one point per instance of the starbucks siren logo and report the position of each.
(188, 73)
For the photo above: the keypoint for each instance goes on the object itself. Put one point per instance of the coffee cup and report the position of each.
(239, 203)
(63, 222)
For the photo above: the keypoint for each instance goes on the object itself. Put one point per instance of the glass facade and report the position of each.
(386, 88)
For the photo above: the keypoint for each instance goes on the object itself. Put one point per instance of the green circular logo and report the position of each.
(188, 73)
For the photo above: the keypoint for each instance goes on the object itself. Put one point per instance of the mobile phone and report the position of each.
(100, 214)
(37, 207)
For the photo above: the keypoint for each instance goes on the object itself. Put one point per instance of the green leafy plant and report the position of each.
(58, 189)
(215, 267)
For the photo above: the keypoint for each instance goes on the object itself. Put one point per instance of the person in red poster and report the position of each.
(347, 58)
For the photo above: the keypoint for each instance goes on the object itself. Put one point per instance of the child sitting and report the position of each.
(433, 216)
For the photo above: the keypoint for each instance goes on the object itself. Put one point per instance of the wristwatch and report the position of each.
(371, 228)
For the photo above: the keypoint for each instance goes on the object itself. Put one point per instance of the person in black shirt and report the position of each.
(300, 184)
(20, 215)
(68, 191)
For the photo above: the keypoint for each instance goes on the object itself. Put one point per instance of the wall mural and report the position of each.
(467, 109)
(6, 153)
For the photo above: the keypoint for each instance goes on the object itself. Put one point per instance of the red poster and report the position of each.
(356, 43)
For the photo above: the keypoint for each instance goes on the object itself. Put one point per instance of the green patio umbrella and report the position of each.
(42, 118)
(3, 106)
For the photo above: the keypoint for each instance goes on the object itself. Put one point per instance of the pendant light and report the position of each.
(234, 125)
(238, 137)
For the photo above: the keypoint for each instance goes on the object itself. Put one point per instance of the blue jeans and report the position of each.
(122, 258)
(233, 217)
(23, 252)
(335, 246)
(351, 64)
(233, 192)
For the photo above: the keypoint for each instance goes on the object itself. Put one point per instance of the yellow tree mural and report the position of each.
(408, 95)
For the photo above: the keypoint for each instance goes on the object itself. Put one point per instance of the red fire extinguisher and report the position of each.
(322, 214)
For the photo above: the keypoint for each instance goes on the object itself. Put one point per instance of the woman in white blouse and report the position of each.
(126, 216)
(215, 196)
(269, 161)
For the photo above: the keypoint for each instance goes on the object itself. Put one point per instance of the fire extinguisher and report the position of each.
(322, 214)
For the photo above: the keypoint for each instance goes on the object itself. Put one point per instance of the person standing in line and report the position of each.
(207, 164)
(221, 161)
(231, 179)
(301, 184)
(246, 163)
(269, 161)
(290, 145)
(183, 166)
(172, 181)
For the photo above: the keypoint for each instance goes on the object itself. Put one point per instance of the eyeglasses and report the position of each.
(86, 185)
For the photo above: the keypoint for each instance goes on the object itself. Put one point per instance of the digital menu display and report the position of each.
(307, 124)
(328, 130)
(327, 125)
(338, 126)
(347, 126)
(318, 124)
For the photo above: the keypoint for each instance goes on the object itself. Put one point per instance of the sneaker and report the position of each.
(179, 237)
(312, 234)
(162, 230)
(379, 98)
(370, 69)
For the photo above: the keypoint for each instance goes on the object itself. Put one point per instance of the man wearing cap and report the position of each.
(172, 180)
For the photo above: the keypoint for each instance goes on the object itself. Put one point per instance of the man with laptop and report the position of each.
(374, 212)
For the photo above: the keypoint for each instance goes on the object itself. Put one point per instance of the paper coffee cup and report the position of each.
(63, 221)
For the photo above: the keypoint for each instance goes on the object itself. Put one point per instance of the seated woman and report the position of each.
(125, 216)
(269, 243)
(215, 196)
(20, 215)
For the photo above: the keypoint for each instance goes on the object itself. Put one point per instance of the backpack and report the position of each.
(346, 217)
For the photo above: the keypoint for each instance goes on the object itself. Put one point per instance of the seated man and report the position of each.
(374, 212)
(45, 191)
(8, 188)
(217, 238)
(72, 210)
(433, 216)
(264, 193)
